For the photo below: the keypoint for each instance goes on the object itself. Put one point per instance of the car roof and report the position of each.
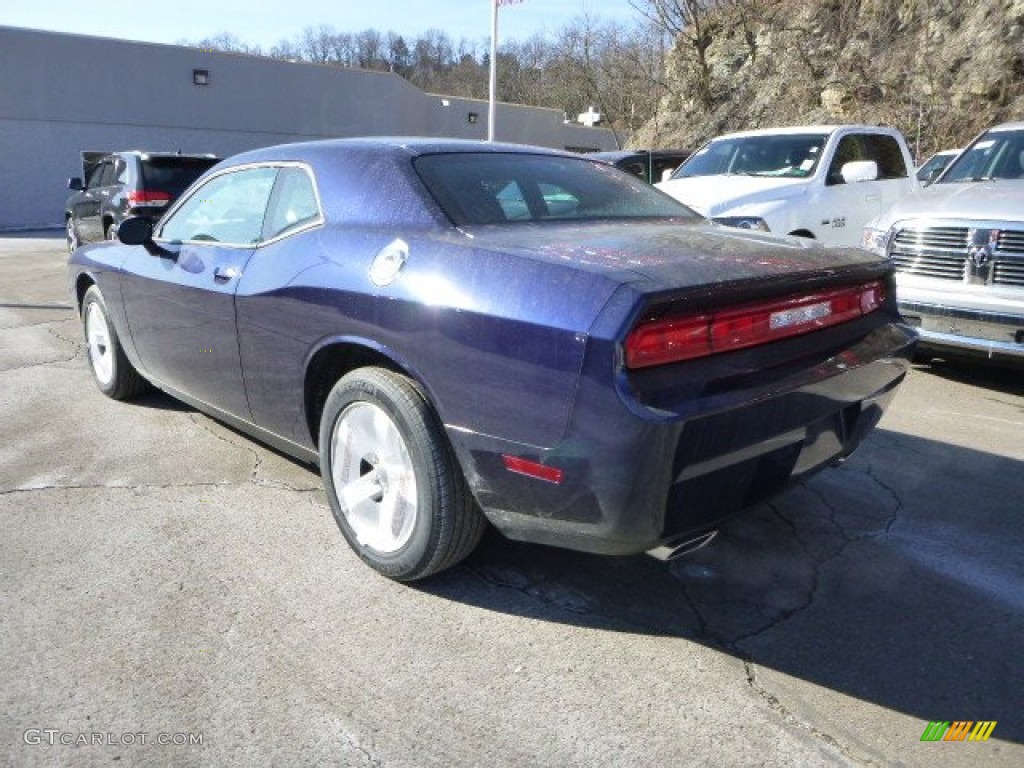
(624, 153)
(143, 154)
(794, 129)
(393, 145)
(1016, 126)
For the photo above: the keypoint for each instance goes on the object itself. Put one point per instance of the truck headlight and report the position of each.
(875, 240)
(743, 222)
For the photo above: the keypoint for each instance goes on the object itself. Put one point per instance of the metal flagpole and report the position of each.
(493, 87)
(492, 104)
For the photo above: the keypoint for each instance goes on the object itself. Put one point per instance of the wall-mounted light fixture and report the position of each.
(201, 77)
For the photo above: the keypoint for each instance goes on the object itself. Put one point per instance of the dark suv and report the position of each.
(123, 184)
(649, 164)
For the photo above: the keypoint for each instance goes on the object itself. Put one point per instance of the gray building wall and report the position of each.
(60, 94)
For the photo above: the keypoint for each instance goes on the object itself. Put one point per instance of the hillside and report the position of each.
(940, 71)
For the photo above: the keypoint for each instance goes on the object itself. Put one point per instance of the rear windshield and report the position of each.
(493, 188)
(996, 155)
(787, 154)
(174, 174)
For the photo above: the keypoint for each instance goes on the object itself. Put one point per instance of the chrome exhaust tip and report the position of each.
(674, 548)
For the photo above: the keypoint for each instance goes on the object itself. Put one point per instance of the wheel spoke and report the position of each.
(362, 490)
(374, 477)
(97, 335)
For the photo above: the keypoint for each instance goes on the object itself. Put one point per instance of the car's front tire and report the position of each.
(114, 374)
(392, 480)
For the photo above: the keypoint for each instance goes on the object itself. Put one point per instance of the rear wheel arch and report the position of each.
(333, 361)
(803, 233)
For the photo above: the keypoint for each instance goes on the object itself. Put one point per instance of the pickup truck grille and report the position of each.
(963, 253)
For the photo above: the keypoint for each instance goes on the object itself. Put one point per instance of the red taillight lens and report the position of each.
(153, 197)
(673, 339)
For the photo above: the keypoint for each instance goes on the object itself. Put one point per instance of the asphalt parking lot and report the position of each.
(165, 579)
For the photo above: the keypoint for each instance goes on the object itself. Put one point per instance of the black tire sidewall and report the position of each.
(377, 387)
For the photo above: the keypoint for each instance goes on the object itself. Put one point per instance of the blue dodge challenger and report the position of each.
(460, 333)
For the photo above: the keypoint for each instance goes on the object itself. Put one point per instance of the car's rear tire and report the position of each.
(71, 233)
(392, 479)
(114, 374)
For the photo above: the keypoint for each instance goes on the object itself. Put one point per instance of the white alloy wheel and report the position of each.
(97, 336)
(374, 477)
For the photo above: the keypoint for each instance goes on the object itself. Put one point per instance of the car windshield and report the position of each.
(492, 187)
(934, 165)
(792, 155)
(174, 174)
(996, 155)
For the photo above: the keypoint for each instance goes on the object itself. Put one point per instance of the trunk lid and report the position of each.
(680, 256)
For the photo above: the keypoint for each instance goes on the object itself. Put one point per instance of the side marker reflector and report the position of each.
(529, 468)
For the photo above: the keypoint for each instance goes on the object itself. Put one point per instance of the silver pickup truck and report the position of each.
(958, 247)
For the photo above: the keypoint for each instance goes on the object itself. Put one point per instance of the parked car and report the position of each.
(935, 165)
(121, 184)
(958, 248)
(651, 165)
(824, 182)
(607, 371)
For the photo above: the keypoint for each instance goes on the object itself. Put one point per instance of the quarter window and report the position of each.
(293, 204)
(228, 208)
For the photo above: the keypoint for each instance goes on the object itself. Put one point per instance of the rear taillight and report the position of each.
(151, 197)
(684, 337)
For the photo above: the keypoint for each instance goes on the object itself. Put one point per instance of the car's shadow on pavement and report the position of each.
(1009, 380)
(895, 579)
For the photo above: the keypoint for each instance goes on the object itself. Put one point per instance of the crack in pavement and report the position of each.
(204, 423)
(780, 709)
(354, 744)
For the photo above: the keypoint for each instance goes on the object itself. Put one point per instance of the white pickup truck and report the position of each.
(821, 181)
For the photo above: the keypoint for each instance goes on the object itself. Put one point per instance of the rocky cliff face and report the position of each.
(939, 70)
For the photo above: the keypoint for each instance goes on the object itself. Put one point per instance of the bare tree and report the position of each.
(693, 24)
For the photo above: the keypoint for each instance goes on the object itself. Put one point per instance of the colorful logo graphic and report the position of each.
(959, 730)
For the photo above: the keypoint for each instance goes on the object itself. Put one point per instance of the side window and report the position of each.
(96, 177)
(120, 172)
(848, 151)
(293, 203)
(228, 208)
(885, 151)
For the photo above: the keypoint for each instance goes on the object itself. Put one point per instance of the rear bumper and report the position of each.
(637, 476)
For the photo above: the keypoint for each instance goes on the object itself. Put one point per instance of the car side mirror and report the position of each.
(135, 231)
(859, 170)
(75, 183)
